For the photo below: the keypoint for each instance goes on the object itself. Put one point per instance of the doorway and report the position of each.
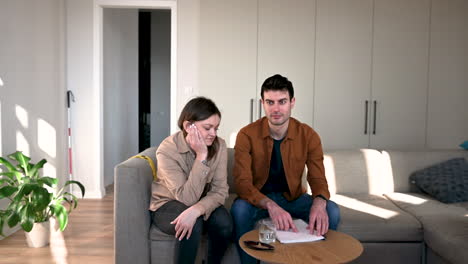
(154, 48)
(137, 82)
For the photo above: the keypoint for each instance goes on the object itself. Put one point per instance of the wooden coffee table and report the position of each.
(336, 248)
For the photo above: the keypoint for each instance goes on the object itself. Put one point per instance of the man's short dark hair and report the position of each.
(277, 83)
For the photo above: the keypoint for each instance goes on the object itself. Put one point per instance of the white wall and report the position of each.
(188, 41)
(85, 111)
(448, 79)
(160, 75)
(81, 79)
(83, 35)
(32, 97)
(120, 42)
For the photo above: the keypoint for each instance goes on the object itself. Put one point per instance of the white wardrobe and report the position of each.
(385, 74)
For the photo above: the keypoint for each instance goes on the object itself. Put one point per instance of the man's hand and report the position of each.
(184, 222)
(318, 218)
(280, 217)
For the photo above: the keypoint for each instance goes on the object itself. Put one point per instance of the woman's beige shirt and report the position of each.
(182, 178)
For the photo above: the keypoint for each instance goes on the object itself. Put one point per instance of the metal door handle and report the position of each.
(251, 110)
(259, 108)
(375, 116)
(366, 114)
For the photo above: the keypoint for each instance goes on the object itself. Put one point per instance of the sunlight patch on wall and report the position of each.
(22, 116)
(1, 82)
(330, 173)
(22, 144)
(357, 205)
(387, 171)
(46, 138)
(49, 170)
(379, 177)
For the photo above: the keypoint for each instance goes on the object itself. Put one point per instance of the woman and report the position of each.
(192, 184)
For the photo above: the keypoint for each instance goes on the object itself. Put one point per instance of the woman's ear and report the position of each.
(186, 125)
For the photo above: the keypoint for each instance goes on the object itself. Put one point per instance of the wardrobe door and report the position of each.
(400, 73)
(286, 35)
(343, 72)
(448, 75)
(228, 60)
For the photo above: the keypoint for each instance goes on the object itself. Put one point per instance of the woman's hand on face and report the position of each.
(184, 222)
(196, 142)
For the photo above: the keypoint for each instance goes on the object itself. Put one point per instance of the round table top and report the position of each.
(336, 248)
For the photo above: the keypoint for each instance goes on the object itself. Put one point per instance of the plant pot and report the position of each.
(39, 236)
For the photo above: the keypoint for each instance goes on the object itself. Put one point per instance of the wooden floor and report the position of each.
(88, 238)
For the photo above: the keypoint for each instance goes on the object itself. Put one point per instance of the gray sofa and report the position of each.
(379, 207)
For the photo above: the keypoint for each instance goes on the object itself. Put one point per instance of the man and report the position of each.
(270, 157)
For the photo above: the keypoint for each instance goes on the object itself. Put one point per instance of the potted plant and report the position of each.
(33, 199)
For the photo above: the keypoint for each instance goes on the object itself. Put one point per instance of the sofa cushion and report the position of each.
(356, 171)
(445, 225)
(447, 235)
(464, 145)
(446, 181)
(230, 165)
(373, 218)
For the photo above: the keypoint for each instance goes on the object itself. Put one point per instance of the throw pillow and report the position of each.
(446, 181)
(464, 145)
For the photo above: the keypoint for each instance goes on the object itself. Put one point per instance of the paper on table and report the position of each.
(302, 236)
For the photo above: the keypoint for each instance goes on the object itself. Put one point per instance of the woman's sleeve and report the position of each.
(186, 189)
(219, 190)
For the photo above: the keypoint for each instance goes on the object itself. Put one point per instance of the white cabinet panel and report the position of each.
(448, 81)
(400, 73)
(343, 72)
(374, 52)
(228, 60)
(286, 36)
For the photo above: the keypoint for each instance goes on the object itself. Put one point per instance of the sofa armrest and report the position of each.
(132, 220)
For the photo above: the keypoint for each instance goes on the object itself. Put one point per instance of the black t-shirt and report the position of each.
(276, 179)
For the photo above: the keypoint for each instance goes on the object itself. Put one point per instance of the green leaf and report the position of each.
(74, 200)
(2, 223)
(27, 218)
(22, 159)
(24, 191)
(62, 216)
(25, 179)
(7, 164)
(82, 188)
(3, 216)
(12, 175)
(13, 220)
(6, 191)
(40, 198)
(7, 181)
(28, 188)
(49, 181)
(70, 204)
(35, 169)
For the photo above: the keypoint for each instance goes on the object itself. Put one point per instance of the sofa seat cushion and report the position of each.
(374, 218)
(157, 235)
(448, 237)
(423, 206)
(445, 225)
(462, 205)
